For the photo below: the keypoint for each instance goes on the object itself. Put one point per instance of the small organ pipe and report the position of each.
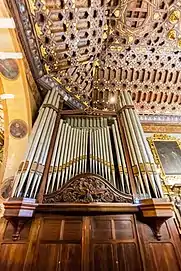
(86, 148)
(122, 156)
(98, 151)
(56, 156)
(78, 151)
(72, 153)
(92, 154)
(95, 147)
(104, 153)
(81, 152)
(111, 158)
(68, 162)
(65, 156)
(118, 159)
(75, 152)
(101, 153)
(107, 154)
(61, 157)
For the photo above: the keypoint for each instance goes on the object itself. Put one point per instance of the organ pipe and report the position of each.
(36, 154)
(118, 159)
(82, 145)
(137, 151)
(134, 162)
(124, 167)
(141, 150)
(141, 147)
(152, 167)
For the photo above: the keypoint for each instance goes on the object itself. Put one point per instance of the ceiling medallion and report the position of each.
(133, 17)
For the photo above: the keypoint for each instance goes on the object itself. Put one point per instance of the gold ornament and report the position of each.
(174, 16)
(172, 34)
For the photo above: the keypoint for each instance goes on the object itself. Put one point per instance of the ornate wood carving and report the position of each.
(87, 188)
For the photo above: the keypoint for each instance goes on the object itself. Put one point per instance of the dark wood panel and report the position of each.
(48, 257)
(113, 243)
(102, 229)
(123, 229)
(12, 256)
(128, 257)
(102, 257)
(70, 257)
(72, 229)
(164, 257)
(120, 227)
(50, 229)
(104, 243)
(161, 255)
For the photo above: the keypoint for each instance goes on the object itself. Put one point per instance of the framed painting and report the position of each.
(167, 155)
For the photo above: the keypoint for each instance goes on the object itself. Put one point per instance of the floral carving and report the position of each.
(86, 189)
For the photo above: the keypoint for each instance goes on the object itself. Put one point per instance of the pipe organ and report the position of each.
(83, 144)
(91, 144)
(88, 144)
(88, 196)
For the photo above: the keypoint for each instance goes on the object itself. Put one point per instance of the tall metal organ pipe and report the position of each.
(151, 167)
(146, 165)
(83, 144)
(28, 178)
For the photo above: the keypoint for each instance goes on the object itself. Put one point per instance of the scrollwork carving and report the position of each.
(86, 189)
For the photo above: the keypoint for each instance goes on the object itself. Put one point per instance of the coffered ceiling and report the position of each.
(93, 49)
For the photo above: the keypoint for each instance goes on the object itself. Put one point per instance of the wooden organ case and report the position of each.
(87, 200)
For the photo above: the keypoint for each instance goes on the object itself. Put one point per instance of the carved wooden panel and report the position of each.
(86, 188)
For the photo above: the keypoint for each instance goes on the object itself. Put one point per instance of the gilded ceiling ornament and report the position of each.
(179, 43)
(174, 16)
(172, 34)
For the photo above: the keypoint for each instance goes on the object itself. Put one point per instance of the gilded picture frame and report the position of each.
(166, 152)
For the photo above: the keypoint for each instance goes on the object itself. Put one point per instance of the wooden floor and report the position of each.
(87, 243)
